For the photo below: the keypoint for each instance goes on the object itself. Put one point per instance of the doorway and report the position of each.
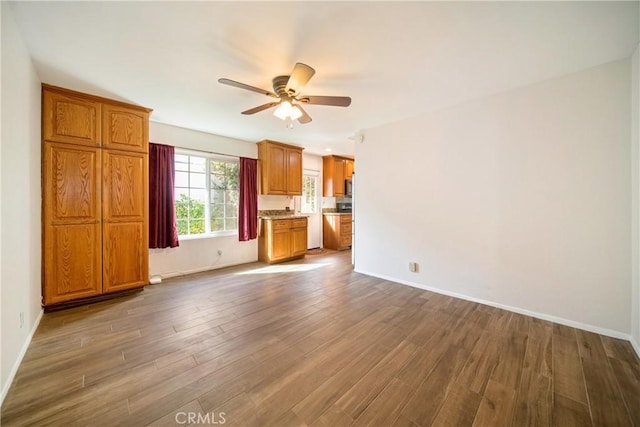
(310, 205)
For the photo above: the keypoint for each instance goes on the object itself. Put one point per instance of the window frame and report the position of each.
(208, 188)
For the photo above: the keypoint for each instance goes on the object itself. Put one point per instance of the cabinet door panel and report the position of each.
(281, 244)
(294, 172)
(125, 256)
(345, 240)
(298, 241)
(125, 190)
(71, 120)
(71, 184)
(349, 169)
(124, 129)
(276, 173)
(72, 262)
(338, 177)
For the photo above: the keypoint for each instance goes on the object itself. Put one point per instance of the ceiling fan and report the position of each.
(288, 91)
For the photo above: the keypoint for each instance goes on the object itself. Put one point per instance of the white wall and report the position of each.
(635, 200)
(20, 217)
(201, 254)
(520, 199)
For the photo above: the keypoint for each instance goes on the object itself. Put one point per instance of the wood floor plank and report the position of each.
(567, 373)
(605, 398)
(287, 345)
(354, 400)
(427, 399)
(590, 346)
(238, 411)
(497, 406)
(266, 372)
(534, 404)
(458, 409)
(569, 413)
(180, 416)
(509, 366)
(333, 417)
(629, 381)
(619, 349)
(480, 364)
(315, 404)
(386, 408)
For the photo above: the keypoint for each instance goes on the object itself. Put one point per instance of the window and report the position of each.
(206, 194)
(309, 200)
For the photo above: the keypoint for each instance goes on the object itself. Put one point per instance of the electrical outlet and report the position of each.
(21, 319)
(413, 267)
(219, 252)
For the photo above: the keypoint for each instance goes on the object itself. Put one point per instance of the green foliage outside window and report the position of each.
(187, 208)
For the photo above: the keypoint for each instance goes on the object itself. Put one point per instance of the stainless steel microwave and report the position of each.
(348, 187)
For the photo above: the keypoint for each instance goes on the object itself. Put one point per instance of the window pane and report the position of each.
(233, 175)
(217, 210)
(182, 179)
(198, 180)
(233, 196)
(217, 196)
(182, 205)
(231, 224)
(198, 194)
(308, 200)
(196, 226)
(183, 226)
(218, 167)
(198, 164)
(181, 162)
(217, 224)
(231, 210)
(218, 182)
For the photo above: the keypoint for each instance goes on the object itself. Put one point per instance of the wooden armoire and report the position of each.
(94, 197)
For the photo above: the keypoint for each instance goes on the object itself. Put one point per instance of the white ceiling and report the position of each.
(395, 59)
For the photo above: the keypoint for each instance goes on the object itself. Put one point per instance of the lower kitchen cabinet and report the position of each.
(282, 239)
(336, 231)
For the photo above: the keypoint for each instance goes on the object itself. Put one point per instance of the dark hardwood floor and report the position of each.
(313, 343)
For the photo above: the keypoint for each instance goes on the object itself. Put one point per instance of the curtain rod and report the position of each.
(211, 152)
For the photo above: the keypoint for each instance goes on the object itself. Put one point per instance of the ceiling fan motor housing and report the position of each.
(280, 85)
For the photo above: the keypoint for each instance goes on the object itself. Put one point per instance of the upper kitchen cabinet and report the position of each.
(335, 171)
(280, 168)
(348, 168)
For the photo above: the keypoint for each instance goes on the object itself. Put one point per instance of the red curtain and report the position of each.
(163, 228)
(248, 215)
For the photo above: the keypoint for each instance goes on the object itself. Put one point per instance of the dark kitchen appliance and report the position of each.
(344, 205)
(348, 187)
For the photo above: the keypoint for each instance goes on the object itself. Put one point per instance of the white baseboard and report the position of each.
(199, 270)
(16, 364)
(635, 346)
(578, 325)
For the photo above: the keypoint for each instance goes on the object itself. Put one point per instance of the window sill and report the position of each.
(207, 235)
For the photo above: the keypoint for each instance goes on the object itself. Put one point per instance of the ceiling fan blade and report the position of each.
(299, 77)
(304, 118)
(247, 87)
(336, 101)
(260, 108)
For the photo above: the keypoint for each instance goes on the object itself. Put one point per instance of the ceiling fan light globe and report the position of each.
(295, 113)
(284, 110)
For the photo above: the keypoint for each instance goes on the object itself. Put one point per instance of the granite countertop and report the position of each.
(283, 216)
(337, 213)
